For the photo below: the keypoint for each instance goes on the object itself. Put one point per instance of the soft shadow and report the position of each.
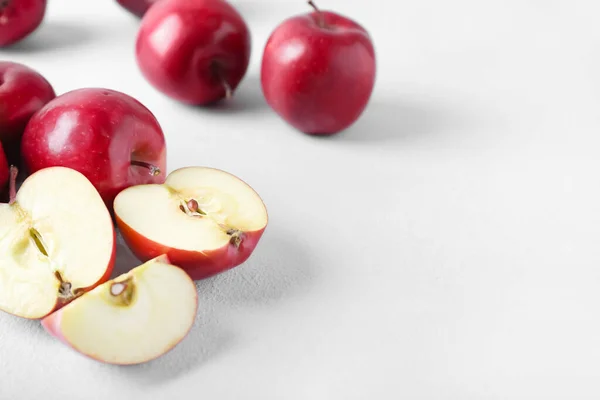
(52, 36)
(247, 98)
(394, 119)
(125, 260)
(278, 268)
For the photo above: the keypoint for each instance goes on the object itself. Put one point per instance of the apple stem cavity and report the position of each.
(321, 17)
(12, 185)
(236, 237)
(122, 292)
(64, 290)
(153, 169)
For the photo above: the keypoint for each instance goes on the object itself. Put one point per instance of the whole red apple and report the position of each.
(194, 51)
(4, 173)
(136, 7)
(108, 136)
(23, 91)
(318, 71)
(19, 18)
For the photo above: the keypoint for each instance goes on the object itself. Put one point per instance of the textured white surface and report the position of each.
(445, 247)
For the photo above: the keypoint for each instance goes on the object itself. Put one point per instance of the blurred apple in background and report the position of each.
(108, 136)
(19, 18)
(318, 71)
(136, 7)
(194, 51)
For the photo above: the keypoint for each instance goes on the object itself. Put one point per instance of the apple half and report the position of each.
(206, 220)
(134, 318)
(57, 241)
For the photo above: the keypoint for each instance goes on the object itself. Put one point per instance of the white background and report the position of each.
(444, 247)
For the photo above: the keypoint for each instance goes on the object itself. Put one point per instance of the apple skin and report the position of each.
(22, 93)
(97, 132)
(203, 43)
(19, 18)
(318, 79)
(197, 265)
(136, 7)
(4, 171)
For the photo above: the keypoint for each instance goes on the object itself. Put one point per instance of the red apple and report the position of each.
(19, 18)
(57, 241)
(318, 71)
(195, 51)
(23, 91)
(134, 318)
(206, 220)
(136, 7)
(4, 173)
(108, 136)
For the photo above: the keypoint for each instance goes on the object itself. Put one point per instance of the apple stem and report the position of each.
(12, 185)
(321, 20)
(227, 87)
(154, 170)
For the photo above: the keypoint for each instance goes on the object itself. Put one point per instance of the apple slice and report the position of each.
(206, 220)
(57, 241)
(134, 318)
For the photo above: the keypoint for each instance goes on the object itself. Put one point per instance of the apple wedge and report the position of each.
(57, 241)
(131, 319)
(206, 220)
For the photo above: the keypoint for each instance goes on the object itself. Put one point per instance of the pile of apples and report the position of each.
(106, 152)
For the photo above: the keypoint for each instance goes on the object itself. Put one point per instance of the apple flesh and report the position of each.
(57, 241)
(108, 136)
(19, 18)
(23, 91)
(131, 319)
(136, 7)
(206, 220)
(318, 71)
(194, 51)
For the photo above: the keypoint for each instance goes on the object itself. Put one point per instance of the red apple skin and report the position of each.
(197, 265)
(318, 79)
(136, 7)
(97, 132)
(19, 18)
(187, 49)
(23, 91)
(4, 171)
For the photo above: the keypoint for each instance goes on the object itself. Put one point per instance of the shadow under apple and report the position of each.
(278, 268)
(52, 36)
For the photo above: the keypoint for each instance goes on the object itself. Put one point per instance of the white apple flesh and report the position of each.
(206, 220)
(132, 319)
(57, 241)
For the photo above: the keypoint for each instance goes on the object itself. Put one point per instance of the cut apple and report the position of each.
(206, 220)
(134, 318)
(57, 241)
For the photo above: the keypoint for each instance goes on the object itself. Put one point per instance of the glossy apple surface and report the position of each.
(318, 72)
(57, 241)
(23, 91)
(206, 220)
(19, 18)
(108, 136)
(136, 7)
(194, 51)
(134, 318)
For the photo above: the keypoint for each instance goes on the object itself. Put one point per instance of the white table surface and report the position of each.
(444, 247)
